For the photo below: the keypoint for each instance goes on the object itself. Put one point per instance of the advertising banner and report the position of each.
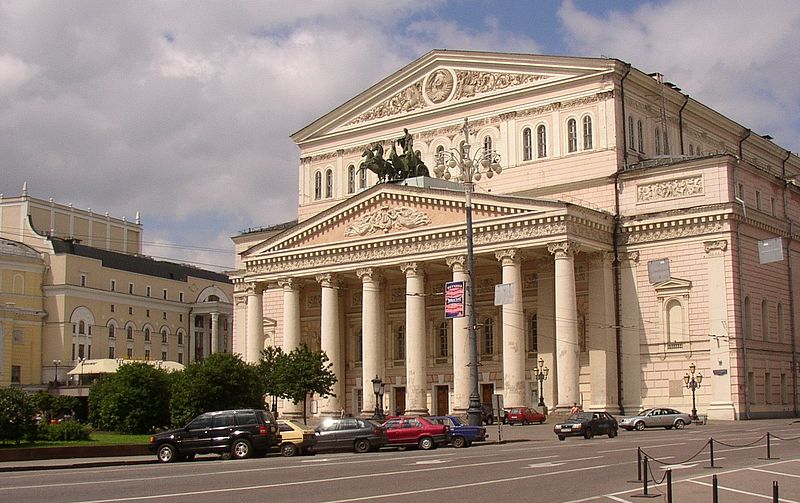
(454, 299)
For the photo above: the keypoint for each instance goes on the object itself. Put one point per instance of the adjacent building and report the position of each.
(76, 287)
(637, 230)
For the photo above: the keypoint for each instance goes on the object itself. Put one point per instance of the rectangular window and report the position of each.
(147, 313)
(758, 200)
(113, 285)
(16, 373)
(130, 353)
(111, 352)
(180, 317)
(147, 291)
(164, 315)
(146, 354)
(180, 296)
(130, 288)
(740, 191)
(130, 311)
(180, 358)
(112, 308)
(164, 294)
(772, 207)
(83, 280)
(164, 355)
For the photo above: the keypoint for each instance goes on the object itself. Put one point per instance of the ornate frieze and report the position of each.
(715, 247)
(439, 86)
(406, 100)
(470, 82)
(670, 189)
(387, 218)
(674, 230)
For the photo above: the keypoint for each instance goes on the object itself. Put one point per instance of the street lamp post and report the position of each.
(693, 382)
(540, 373)
(469, 170)
(56, 363)
(377, 388)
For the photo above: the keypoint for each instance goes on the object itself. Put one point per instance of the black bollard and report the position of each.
(711, 450)
(669, 486)
(768, 453)
(714, 491)
(639, 464)
(775, 497)
(645, 476)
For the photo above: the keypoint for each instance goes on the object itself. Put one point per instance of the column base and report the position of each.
(418, 412)
(614, 409)
(721, 410)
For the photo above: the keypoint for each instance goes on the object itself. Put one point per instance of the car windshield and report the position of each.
(645, 412)
(580, 416)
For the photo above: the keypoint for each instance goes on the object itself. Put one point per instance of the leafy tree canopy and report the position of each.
(17, 410)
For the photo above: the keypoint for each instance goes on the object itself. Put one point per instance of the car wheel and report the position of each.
(288, 449)
(459, 442)
(679, 424)
(639, 425)
(426, 443)
(241, 449)
(612, 433)
(562, 437)
(361, 445)
(588, 433)
(525, 423)
(167, 453)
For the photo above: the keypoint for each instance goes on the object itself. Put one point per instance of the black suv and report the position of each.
(241, 432)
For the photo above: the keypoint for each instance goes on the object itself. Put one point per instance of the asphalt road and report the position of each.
(530, 466)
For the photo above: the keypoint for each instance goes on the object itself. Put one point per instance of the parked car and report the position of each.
(461, 433)
(659, 417)
(360, 435)
(587, 425)
(242, 433)
(524, 415)
(487, 413)
(296, 438)
(416, 431)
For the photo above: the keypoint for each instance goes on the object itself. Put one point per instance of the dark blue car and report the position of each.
(461, 434)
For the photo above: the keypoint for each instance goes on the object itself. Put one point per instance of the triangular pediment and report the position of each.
(673, 286)
(390, 211)
(442, 79)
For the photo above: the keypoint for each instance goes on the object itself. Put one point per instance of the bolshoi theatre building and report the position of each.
(636, 235)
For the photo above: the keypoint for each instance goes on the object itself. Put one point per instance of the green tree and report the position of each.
(221, 381)
(17, 411)
(272, 373)
(135, 399)
(307, 372)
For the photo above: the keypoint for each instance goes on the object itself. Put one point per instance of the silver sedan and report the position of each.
(659, 417)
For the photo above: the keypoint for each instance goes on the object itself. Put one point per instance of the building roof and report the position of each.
(15, 248)
(136, 263)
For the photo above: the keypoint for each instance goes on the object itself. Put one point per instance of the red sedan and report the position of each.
(524, 415)
(416, 431)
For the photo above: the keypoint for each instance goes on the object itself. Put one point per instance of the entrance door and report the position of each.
(442, 401)
(399, 401)
(487, 390)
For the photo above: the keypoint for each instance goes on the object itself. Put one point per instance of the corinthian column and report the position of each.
(291, 331)
(416, 374)
(255, 323)
(214, 348)
(371, 333)
(567, 344)
(515, 393)
(630, 343)
(601, 336)
(721, 406)
(331, 341)
(461, 381)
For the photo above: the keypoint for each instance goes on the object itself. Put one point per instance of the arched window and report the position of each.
(180, 338)
(329, 183)
(487, 144)
(164, 336)
(748, 318)
(527, 144)
(587, 133)
(674, 312)
(358, 347)
(533, 334)
(572, 136)
(764, 320)
(488, 336)
(362, 178)
(541, 141)
(658, 141)
(318, 185)
(640, 131)
(112, 331)
(691, 149)
(631, 134)
(351, 179)
(400, 343)
(82, 327)
(441, 342)
(147, 334)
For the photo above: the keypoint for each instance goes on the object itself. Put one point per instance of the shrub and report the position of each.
(65, 431)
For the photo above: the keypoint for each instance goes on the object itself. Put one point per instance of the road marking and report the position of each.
(775, 473)
(739, 491)
(679, 466)
(544, 465)
(431, 462)
(315, 460)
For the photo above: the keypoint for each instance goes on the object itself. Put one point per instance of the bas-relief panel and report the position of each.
(670, 189)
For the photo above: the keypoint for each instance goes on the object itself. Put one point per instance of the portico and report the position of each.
(382, 258)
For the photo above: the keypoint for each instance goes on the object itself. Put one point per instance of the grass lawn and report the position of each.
(97, 438)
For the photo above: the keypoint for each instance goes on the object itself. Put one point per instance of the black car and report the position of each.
(349, 433)
(242, 433)
(587, 425)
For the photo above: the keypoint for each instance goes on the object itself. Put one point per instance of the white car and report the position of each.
(659, 417)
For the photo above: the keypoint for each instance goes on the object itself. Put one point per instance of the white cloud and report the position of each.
(14, 73)
(740, 59)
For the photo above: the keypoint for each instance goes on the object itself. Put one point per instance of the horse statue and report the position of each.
(374, 161)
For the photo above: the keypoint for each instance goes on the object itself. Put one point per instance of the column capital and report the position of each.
(369, 274)
(631, 258)
(412, 269)
(509, 256)
(716, 247)
(601, 258)
(289, 283)
(214, 316)
(563, 249)
(328, 280)
(254, 288)
(457, 263)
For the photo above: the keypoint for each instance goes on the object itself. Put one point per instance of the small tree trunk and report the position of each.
(305, 420)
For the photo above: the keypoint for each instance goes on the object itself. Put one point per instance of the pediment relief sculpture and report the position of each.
(443, 85)
(387, 218)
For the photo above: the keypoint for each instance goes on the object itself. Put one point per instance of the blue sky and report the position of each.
(182, 110)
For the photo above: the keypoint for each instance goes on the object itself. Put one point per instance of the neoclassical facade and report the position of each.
(97, 296)
(628, 224)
